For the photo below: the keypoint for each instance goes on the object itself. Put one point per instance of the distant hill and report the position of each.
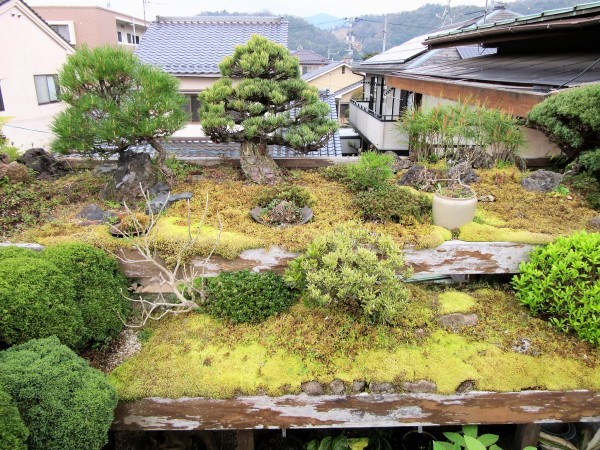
(325, 21)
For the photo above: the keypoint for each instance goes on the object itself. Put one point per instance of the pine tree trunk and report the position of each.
(161, 156)
(257, 165)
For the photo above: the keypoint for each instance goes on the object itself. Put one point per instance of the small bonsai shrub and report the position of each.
(454, 190)
(570, 118)
(135, 224)
(17, 252)
(247, 297)
(353, 269)
(99, 286)
(372, 171)
(561, 282)
(297, 195)
(13, 432)
(392, 203)
(63, 401)
(37, 300)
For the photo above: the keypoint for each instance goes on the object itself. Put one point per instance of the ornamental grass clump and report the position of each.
(247, 297)
(561, 283)
(353, 269)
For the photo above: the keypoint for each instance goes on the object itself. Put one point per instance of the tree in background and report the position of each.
(115, 101)
(270, 105)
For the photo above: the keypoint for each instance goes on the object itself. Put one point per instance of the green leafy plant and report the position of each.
(13, 432)
(393, 203)
(561, 190)
(12, 251)
(244, 296)
(355, 270)
(66, 404)
(570, 118)
(38, 300)
(179, 169)
(468, 439)
(340, 442)
(298, 195)
(561, 282)
(99, 285)
(373, 170)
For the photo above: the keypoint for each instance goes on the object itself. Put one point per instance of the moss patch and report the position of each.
(476, 232)
(455, 302)
(196, 355)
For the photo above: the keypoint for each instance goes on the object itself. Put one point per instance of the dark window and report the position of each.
(46, 88)
(137, 39)
(192, 106)
(343, 70)
(119, 36)
(129, 38)
(63, 30)
(1, 100)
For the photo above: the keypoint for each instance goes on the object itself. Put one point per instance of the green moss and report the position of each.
(488, 218)
(436, 237)
(455, 302)
(475, 232)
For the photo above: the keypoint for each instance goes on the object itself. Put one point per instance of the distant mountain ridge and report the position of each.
(325, 21)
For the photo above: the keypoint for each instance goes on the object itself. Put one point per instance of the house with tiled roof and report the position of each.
(309, 60)
(32, 54)
(338, 77)
(375, 115)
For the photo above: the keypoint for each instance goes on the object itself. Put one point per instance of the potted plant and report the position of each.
(283, 205)
(454, 204)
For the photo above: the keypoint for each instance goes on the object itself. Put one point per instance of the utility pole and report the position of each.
(444, 15)
(384, 30)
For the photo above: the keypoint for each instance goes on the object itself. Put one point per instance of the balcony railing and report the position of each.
(382, 133)
(364, 105)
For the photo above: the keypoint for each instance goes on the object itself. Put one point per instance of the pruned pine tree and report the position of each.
(115, 101)
(262, 100)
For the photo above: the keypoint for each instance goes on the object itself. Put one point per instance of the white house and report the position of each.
(32, 54)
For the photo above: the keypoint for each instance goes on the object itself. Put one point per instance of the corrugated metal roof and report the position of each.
(530, 69)
(196, 45)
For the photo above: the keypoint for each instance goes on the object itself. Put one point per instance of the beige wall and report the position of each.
(37, 51)
(336, 80)
(94, 26)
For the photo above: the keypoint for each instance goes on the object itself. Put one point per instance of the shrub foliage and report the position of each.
(561, 282)
(99, 286)
(392, 203)
(372, 171)
(571, 118)
(65, 403)
(13, 432)
(285, 191)
(247, 297)
(353, 269)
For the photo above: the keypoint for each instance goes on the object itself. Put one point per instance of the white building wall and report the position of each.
(29, 48)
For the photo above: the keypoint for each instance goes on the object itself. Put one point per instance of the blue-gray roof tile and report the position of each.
(196, 45)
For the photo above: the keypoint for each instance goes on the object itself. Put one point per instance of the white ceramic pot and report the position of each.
(452, 213)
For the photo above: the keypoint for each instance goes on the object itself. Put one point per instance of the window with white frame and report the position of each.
(65, 29)
(46, 88)
(119, 36)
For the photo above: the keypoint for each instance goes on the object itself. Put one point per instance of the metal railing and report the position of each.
(363, 105)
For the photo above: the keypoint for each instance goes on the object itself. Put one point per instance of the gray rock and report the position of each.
(104, 169)
(400, 163)
(487, 198)
(164, 200)
(15, 172)
(594, 223)
(337, 387)
(418, 177)
(135, 172)
(358, 386)
(522, 346)
(420, 387)
(458, 321)
(381, 388)
(312, 388)
(94, 212)
(463, 172)
(43, 163)
(542, 181)
(465, 386)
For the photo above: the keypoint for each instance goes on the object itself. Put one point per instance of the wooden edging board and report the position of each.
(357, 411)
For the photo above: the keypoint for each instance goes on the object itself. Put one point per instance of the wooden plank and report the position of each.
(359, 411)
(245, 440)
(465, 258)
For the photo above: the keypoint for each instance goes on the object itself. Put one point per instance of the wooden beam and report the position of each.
(512, 101)
(526, 435)
(359, 411)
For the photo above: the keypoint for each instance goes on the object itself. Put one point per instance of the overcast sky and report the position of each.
(302, 8)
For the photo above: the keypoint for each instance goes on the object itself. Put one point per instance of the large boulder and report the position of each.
(542, 181)
(43, 163)
(15, 172)
(135, 172)
(418, 177)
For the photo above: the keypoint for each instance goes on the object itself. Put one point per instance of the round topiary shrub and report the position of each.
(392, 203)
(37, 300)
(561, 282)
(64, 402)
(297, 195)
(247, 297)
(353, 269)
(13, 432)
(17, 252)
(99, 286)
